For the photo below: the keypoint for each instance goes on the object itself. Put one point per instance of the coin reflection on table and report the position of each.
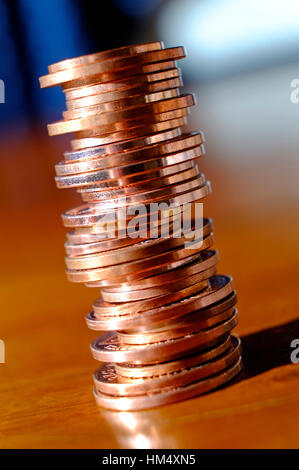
(139, 429)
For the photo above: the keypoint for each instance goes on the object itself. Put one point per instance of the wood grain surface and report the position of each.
(46, 385)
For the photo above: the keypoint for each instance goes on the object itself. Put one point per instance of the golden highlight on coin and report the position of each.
(141, 235)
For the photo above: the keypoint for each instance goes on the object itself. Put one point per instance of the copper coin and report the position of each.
(144, 191)
(128, 126)
(165, 289)
(107, 381)
(76, 125)
(105, 55)
(114, 235)
(133, 267)
(119, 105)
(126, 134)
(116, 75)
(178, 330)
(87, 236)
(202, 262)
(220, 296)
(111, 65)
(131, 372)
(125, 93)
(190, 319)
(103, 245)
(122, 84)
(125, 146)
(97, 161)
(146, 88)
(122, 174)
(143, 249)
(170, 395)
(108, 348)
(130, 133)
(126, 98)
(142, 274)
(92, 213)
(180, 183)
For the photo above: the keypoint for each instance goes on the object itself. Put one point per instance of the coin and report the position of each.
(171, 395)
(111, 65)
(219, 296)
(130, 372)
(116, 75)
(122, 84)
(117, 105)
(107, 381)
(76, 125)
(125, 146)
(126, 174)
(129, 133)
(145, 89)
(92, 162)
(202, 262)
(132, 268)
(108, 348)
(105, 55)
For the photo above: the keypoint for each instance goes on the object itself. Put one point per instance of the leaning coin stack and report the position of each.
(167, 315)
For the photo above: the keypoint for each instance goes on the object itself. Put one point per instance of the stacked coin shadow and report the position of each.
(166, 313)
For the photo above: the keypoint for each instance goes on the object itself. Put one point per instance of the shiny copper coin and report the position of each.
(102, 308)
(83, 237)
(122, 84)
(89, 214)
(192, 318)
(131, 372)
(105, 55)
(108, 348)
(125, 146)
(143, 249)
(107, 381)
(144, 191)
(165, 289)
(160, 150)
(177, 330)
(119, 105)
(123, 173)
(155, 227)
(130, 133)
(181, 183)
(76, 125)
(109, 309)
(124, 94)
(131, 124)
(170, 395)
(102, 245)
(141, 274)
(138, 268)
(111, 65)
(219, 297)
(202, 262)
(134, 72)
(80, 244)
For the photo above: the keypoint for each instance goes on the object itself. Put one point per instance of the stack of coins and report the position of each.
(167, 315)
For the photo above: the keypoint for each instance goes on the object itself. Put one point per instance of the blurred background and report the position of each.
(242, 66)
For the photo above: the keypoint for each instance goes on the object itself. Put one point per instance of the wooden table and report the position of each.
(46, 387)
